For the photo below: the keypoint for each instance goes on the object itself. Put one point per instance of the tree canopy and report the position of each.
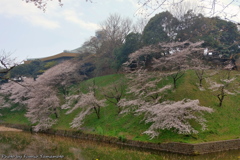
(32, 69)
(156, 29)
(217, 34)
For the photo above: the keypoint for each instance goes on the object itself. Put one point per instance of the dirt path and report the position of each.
(2, 128)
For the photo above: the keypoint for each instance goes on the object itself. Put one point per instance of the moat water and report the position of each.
(23, 145)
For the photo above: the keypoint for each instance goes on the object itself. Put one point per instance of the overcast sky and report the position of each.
(28, 32)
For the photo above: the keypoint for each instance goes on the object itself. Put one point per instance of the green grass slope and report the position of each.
(222, 124)
(14, 115)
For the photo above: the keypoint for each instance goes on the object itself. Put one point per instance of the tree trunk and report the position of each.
(174, 83)
(97, 111)
(200, 82)
(221, 96)
(55, 112)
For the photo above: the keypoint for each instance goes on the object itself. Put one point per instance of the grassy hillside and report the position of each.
(14, 114)
(222, 124)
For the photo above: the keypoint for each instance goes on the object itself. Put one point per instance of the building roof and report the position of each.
(57, 56)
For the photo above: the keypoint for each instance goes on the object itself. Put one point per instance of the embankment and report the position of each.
(174, 147)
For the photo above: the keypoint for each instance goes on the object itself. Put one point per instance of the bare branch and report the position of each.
(211, 7)
(6, 62)
(115, 93)
(42, 4)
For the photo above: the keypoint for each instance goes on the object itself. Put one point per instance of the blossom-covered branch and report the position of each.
(41, 96)
(167, 56)
(42, 4)
(88, 103)
(115, 93)
(174, 115)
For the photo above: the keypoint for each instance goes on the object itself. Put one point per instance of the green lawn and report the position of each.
(13, 115)
(222, 124)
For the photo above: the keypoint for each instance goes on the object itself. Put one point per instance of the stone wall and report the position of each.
(216, 146)
(174, 147)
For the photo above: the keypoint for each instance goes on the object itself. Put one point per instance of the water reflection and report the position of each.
(21, 145)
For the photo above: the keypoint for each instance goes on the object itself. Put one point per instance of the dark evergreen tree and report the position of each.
(160, 28)
(32, 69)
(132, 43)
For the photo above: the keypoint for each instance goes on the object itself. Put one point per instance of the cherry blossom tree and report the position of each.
(169, 115)
(140, 83)
(167, 56)
(4, 103)
(173, 57)
(139, 58)
(62, 74)
(43, 100)
(14, 92)
(41, 96)
(176, 76)
(17, 92)
(87, 102)
(200, 76)
(42, 104)
(115, 93)
(146, 99)
(42, 4)
(130, 106)
(221, 96)
(201, 73)
(174, 115)
(223, 88)
(178, 55)
(143, 88)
